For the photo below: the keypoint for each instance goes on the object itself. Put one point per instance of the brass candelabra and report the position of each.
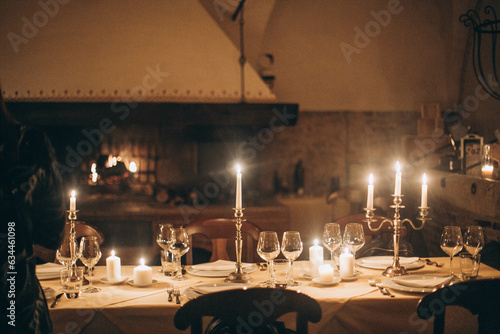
(238, 276)
(72, 237)
(396, 269)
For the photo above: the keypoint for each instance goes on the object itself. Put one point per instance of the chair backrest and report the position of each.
(83, 229)
(248, 311)
(478, 296)
(218, 231)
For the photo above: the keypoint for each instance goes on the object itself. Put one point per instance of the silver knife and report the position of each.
(56, 300)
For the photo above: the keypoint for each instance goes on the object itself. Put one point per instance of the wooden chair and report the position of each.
(218, 231)
(480, 297)
(247, 311)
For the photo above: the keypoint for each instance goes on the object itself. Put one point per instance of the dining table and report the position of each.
(351, 305)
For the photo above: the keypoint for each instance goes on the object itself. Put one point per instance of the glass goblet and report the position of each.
(474, 239)
(451, 242)
(268, 248)
(332, 239)
(63, 253)
(291, 247)
(90, 254)
(179, 246)
(164, 237)
(354, 237)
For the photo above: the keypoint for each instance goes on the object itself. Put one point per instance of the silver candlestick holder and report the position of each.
(72, 237)
(238, 276)
(397, 224)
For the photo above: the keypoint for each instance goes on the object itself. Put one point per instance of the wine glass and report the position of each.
(291, 247)
(90, 254)
(451, 242)
(164, 237)
(332, 239)
(268, 248)
(63, 253)
(179, 246)
(474, 239)
(354, 237)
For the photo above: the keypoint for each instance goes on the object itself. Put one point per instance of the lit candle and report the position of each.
(424, 192)
(315, 258)
(346, 264)
(325, 273)
(143, 275)
(369, 199)
(113, 267)
(72, 201)
(238, 187)
(397, 188)
(487, 171)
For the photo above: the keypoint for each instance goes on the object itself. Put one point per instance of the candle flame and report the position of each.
(93, 169)
(132, 167)
(316, 242)
(346, 250)
(112, 253)
(424, 179)
(238, 168)
(398, 167)
(73, 193)
(142, 261)
(370, 179)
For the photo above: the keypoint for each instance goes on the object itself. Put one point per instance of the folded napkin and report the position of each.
(387, 260)
(216, 288)
(48, 270)
(219, 265)
(422, 281)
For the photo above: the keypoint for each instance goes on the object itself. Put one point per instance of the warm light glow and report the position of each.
(93, 169)
(142, 261)
(112, 253)
(73, 193)
(398, 167)
(370, 179)
(346, 250)
(94, 177)
(132, 167)
(424, 179)
(316, 242)
(238, 169)
(487, 168)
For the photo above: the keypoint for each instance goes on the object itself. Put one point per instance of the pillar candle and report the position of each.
(487, 171)
(238, 187)
(143, 275)
(315, 258)
(424, 192)
(397, 187)
(72, 201)
(113, 267)
(325, 273)
(346, 264)
(369, 199)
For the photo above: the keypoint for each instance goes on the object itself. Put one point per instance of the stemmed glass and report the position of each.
(90, 254)
(179, 246)
(332, 239)
(354, 237)
(268, 248)
(451, 242)
(63, 253)
(474, 239)
(164, 237)
(291, 247)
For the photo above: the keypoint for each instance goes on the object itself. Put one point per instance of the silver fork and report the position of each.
(177, 294)
(170, 290)
(374, 284)
(383, 288)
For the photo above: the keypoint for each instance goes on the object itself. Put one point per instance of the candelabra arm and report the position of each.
(406, 220)
(369, 219)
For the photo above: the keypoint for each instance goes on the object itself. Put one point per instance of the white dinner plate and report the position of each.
(201, 289)
(382, 262)
(389, 283)
(120, 281)
(49, 271)
(422, 281)
(316, 280)
(131, 282)
(218, 273)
